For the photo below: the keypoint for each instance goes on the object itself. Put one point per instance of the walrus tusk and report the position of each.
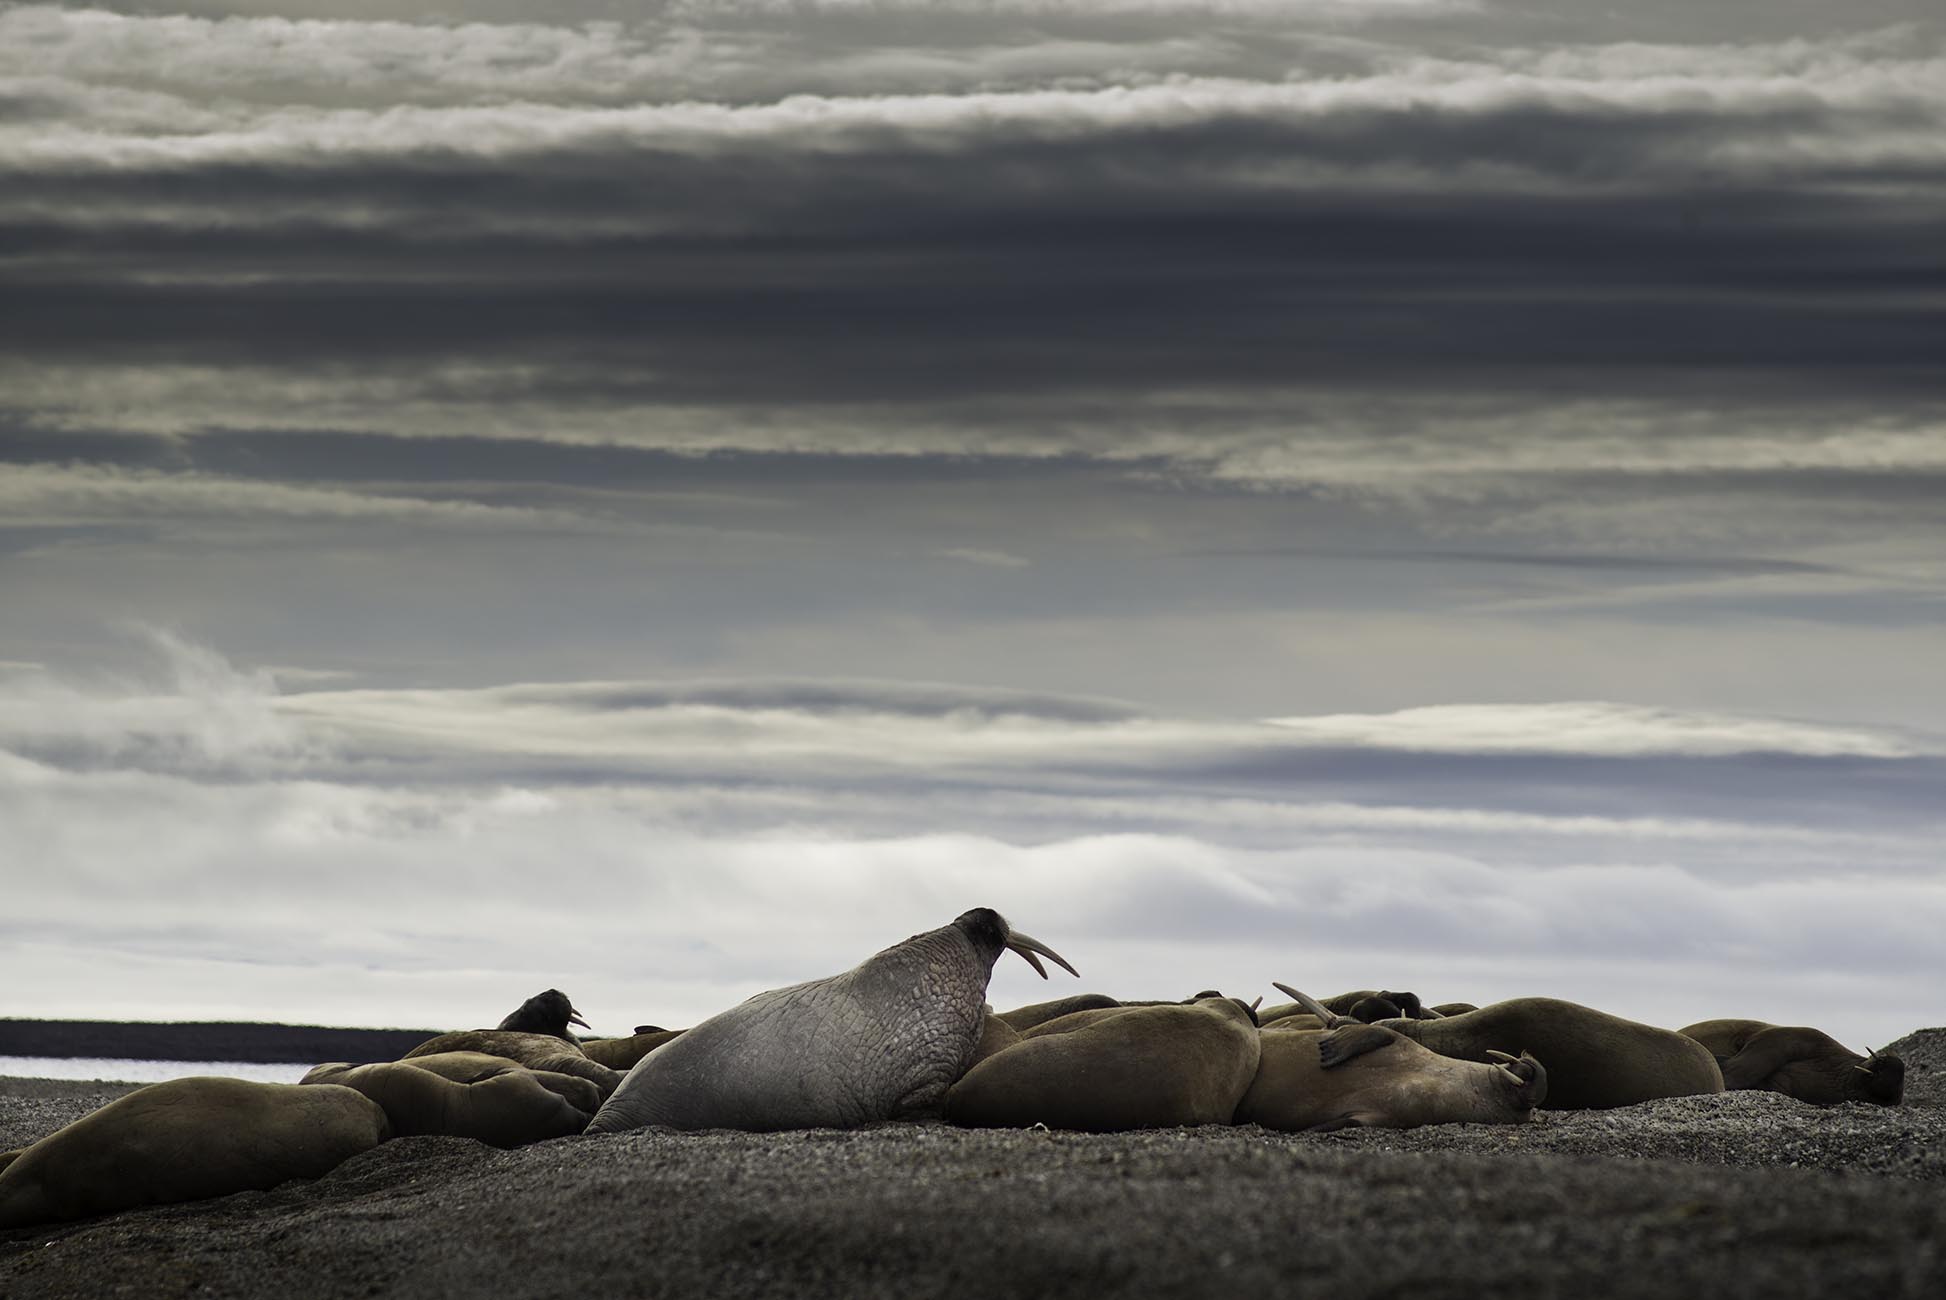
(1329, 1018)
(1502, 1057)
(1259, 1002)
(574, 1018)
(1027, 946)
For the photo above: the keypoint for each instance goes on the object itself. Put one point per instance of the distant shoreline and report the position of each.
(263, 1042)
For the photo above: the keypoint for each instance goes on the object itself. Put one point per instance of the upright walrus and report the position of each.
(1799, 1062)
(884, 1040)
(1594, 1060)
(184, 1140)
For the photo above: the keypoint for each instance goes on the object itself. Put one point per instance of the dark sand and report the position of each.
(1748, 1194)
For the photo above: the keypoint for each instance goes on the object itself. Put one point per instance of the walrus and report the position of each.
(1799, 1062)
(621, 1054)
(535, 1051)
(185, 1140)
(884, 1040)
(1357, 1075)
(464, 1094)
(1594, 1061)
(996, 1035)
(1074, 1020)
(547, 1012)
(1039, 1013)
(1367, 1005)
(1139, 1067)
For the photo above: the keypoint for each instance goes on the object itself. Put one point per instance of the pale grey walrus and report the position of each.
(1594, 1060)
(469, 1095)
(1138, 1067)
(1799, 1062)
(1355, 1074)
(185, 1140)
(884, 1040)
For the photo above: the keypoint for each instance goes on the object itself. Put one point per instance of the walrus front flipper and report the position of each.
(1350, 1041)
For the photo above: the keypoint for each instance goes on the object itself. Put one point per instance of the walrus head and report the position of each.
(547, 1012)
(990, 933)
(1879, 1078)
(1388, 1005)
(1525, 1075)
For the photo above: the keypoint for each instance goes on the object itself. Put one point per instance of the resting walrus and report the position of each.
(1355, 1074)
(1137, 1067)
(1594, 1060)
(470, 1095)
(184, 1140)
(1799, 1062)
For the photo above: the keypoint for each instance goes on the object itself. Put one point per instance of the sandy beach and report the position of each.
(1743, 1194)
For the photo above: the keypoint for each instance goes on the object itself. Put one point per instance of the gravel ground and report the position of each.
(1745, 1194)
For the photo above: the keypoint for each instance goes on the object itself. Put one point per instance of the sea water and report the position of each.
(118, 1070)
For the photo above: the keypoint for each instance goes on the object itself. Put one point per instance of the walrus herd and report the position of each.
(907, 1035)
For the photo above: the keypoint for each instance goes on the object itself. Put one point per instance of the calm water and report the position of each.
(124, 1071)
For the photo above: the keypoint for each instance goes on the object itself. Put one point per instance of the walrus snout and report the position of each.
(1880, 1077)
(1527, 1076)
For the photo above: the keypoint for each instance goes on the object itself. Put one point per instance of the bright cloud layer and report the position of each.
(663, 849)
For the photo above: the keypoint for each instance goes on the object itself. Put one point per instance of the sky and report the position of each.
(663, 500)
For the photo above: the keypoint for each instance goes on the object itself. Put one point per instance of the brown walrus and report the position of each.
(1799, 1062)
(1594, 1060)
(185, 1140)
(1354, 1074)
(535, 1051)
(621, 1054)
(1022, 1019)
(1146, 1067)
(469, 1095)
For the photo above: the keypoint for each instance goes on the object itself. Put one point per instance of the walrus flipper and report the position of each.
(1769, 1050)
(1349, 1041)
(1333, 1125)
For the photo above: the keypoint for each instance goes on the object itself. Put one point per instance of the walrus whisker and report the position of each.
(1329, 1018)
(1027, 946)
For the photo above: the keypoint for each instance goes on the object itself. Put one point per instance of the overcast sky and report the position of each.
(665, 500)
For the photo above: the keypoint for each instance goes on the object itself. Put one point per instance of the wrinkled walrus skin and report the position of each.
(882, 1041)
(186, 1140)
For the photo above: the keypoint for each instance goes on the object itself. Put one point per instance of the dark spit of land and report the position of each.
(1745, 1194)
(205, 1041)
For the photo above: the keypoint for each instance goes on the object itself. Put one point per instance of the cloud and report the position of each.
(675, 839)
(985, 558)
(1590, 727)
(69, 495)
